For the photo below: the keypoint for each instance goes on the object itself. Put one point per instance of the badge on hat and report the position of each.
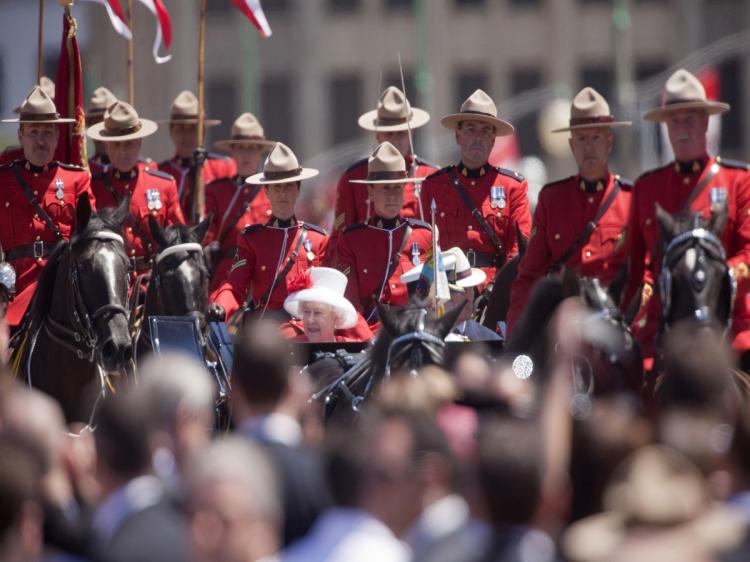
(153, 200)
(497, 197)
(59, 188)
(415, 254)
(718, 196)
(308, 248)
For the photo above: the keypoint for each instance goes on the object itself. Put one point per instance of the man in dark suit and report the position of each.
(266, 407)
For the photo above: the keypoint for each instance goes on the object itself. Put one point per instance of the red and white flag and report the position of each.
(254, 12)
(116, 16)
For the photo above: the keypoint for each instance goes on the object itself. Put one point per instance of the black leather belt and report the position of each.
(37, 250)
(483, 259)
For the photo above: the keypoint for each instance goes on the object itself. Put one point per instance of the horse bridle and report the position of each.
(188, 247)
(83, 333)
(712, 246)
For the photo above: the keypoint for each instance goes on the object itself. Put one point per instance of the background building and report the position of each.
(328, 60)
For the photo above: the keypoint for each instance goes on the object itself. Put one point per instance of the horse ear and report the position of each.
(448, 320)
(199, 230)
(718, 220)
(83, 212)
(123, 209)
(666, 223)
(157, 232)
(387, 319)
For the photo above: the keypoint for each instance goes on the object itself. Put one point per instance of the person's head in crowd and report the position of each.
(233, 501)
(426, 393)
(21, 514)
(376, 464)
(697, 397)
(179, 394)
(123, 441)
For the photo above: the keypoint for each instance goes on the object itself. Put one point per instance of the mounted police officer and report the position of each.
(235, 204)
(100, 100)
(183, 130)
(39, 196)
(270, 253)
(391, 121)
(374, 254)
(479, 205)
(153, 193)
(693, 182)
(579, 222)
(11, 153)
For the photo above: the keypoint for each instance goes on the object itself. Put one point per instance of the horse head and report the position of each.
(179, 283)
(98, 273)
(695, 280)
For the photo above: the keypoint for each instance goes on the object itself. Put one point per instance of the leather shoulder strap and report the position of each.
(281, 275)
(474, 211)
(116, 196)
(38, 209)
(704, 181)
(226, 227)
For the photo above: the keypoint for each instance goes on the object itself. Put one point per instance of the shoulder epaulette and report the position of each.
(625, 183)
(314, 227)
(159, 174)
(557, 183)
(417, 222)
(649, 172)
(252, 228)
(71, 167)
(357, 164)
(421, 161)
(354, 226)
(216, 156)
(733, 164)
(443, 170)
(510, 173)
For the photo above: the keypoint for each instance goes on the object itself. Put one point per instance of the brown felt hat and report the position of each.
(246, 129)
(478, 107)
(47, 85)
(386, 165)
(684, 91)
(590, 109)
(38, 107)
(394, 113)
(100, 100)
(121, 123)
(281, 166)
(185, 110)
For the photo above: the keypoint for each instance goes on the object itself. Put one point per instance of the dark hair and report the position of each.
(510, 469)
(122, 436)
(262, 363)
(18, 484)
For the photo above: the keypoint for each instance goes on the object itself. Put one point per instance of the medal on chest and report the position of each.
(59, 189)
(415, 253)
(153, 200)
(497, 197)
(717, 197)
(308, 249)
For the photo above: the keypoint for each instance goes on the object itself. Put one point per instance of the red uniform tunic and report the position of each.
(11, 153)
(235, 206)
(216, 166)
(670, 186)
(57, 188)
(562, 212)
(262, 250)
(153, 193)
(457, 226)
(364, 252)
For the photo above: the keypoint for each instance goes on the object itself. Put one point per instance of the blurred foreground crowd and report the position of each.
(475, 463)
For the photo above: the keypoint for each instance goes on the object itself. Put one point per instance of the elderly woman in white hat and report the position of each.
(317, 299)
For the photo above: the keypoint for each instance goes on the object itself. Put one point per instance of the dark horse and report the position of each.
(410, 337)
(179, 279)
(77, 323)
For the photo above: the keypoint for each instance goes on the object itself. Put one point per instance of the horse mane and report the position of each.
(41, 302)
(179, 234)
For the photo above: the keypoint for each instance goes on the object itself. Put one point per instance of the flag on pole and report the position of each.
(116, 16)
(437, 282)
(71, 148)
(163, 28)
(254, 12)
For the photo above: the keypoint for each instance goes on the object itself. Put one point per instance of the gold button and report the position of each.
(364, 270)
(268, 212)
(588, 253)
(470, 227)
(648, 221)
(132, 252)
(36, 192)
(557, 236)
(38, 238)
(36, 217)
(393, 285)
(499, 214)
(591, 199)
(473, 182)
(246, 191)
(36, 175)
(686, 180)
(442, 214)
(7, 203)
(262, 267)
(130, 229)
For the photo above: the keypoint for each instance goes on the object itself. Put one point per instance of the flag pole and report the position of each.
(131, 82)
(40, 44)
(433, 210)
(198, 205)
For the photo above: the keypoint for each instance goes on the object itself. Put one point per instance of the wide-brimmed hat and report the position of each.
(281, 166)
(590, 109)
(684, 91)
(478, 107)
(100, 100)
(465, 275)
(386, 165)
(185, 110)
(657, 489)
(394, 113)
(449, 262)
(322, 285)
(246, 129)
(49, 88)
(38, 107)
(121, 123)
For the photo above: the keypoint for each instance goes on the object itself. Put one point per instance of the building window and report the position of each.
(466, 82)
(277, 109)
(470, 3)
(343, 5)
(523, 80)
(345, 106)
(401, 5)
(221, 103)
(525, 3)
(731, 91)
